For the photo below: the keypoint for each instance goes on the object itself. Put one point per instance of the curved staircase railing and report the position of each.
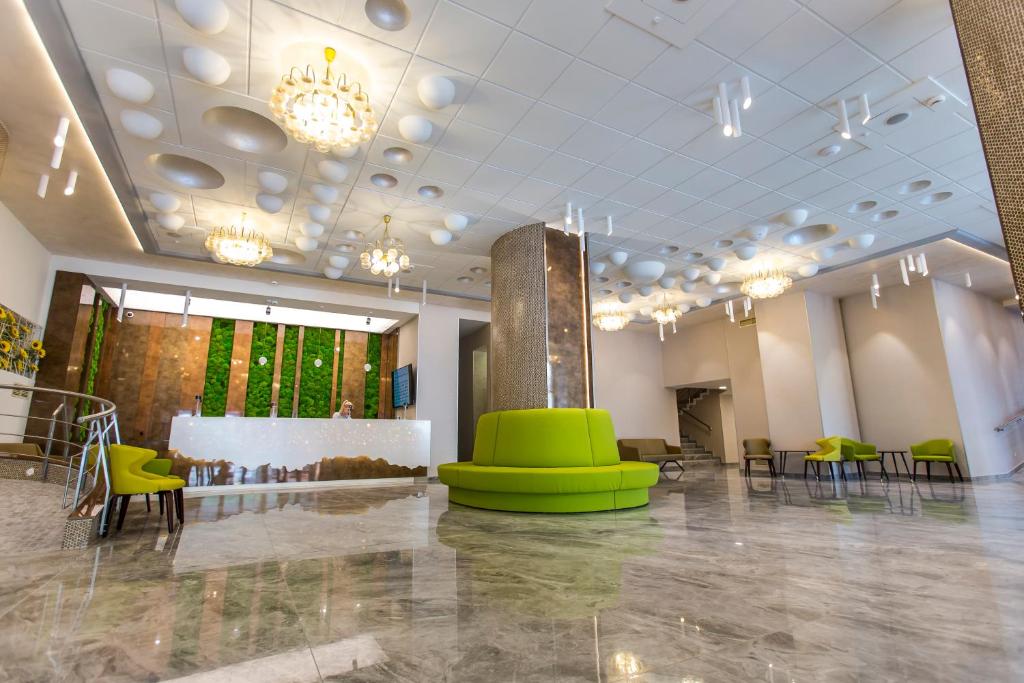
(78, 435)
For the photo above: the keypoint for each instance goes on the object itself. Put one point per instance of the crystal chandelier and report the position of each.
(665, 315)
(610, 317)
(325, 113)
(766, 283)
(238, 245)
(386, 256)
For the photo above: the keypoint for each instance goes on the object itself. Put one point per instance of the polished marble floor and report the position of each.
(719, 579)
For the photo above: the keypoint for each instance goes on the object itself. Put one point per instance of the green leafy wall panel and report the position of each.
(218, 367)
(289, 357)
(315, 383)
(261, 377)
(372, 393)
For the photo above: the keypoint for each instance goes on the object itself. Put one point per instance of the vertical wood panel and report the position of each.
(298, 372)
(196, 349)
(238, 381)
(353, 377)
(275, 389)
(388, 363)
(334, 372)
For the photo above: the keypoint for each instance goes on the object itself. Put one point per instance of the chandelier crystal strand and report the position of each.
(766, 283)
(609, 317)
(386, 256)
(665, 315)
(239, 246)
(327, 113)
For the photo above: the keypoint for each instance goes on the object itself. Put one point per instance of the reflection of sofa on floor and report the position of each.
(548, 460)
(565, 568)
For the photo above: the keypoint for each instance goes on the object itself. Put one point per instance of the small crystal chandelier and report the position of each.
(239, 244)
(386, 256)
(665, 315)
(326, 113)
(766, 283)
(609, 317)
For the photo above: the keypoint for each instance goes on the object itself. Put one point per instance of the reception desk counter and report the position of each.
(212, 451)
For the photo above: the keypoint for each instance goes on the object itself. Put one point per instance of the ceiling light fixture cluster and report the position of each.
(727, 111)
(766, 282)
(610, 317)
(326, 113)
(386, 256)
(665, 314)
(239, 244)
(59, 140)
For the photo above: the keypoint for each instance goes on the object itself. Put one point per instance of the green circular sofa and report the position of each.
(548, 460)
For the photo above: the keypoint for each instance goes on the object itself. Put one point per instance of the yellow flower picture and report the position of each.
(37, 344)
(5, 346)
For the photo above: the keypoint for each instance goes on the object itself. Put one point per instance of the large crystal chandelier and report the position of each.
(609, 317)
(327, 113)
(386, 256)
(665, 315)
(238, 244)
(766, 283)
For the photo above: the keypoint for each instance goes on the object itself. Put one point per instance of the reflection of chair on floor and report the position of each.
(760, 450)
(935, 450)
(952, 507)
(552, 575)
(831, 452)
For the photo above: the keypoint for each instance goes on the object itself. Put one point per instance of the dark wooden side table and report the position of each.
(903, 457)
(783, 453)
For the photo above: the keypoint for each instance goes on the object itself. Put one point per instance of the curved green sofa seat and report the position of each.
(548, 460)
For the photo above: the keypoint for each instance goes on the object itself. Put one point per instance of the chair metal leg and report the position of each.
(958, 472)
(806, 463)
(883, 473)
(817, 471)
(122, 512)
(179, 505)
(949, 468)
(746, 468)
(928, 469)
(771, 469)
(161, 501)
(913, 477)
(148, 507)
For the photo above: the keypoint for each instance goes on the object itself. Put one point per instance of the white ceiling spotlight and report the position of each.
(729, 311)
(967, 280)
(922, 264)
(567, 220)
(435, 92)
(58, 154)
(844, 121)
(876, 291)
(904, 275)
(722, 110)
(734, 114)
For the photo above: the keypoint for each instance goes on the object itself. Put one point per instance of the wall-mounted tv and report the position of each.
(403, 391)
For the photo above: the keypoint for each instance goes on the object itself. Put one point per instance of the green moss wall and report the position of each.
(372, 393)
(289, 357)
(218, 367)
(315, 383)
(261, 377)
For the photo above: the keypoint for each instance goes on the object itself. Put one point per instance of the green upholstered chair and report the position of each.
(547, 460)
(161, 467)
(831, 451)
(859, 453)
(129, 479)
(758, 449)
(935, 450)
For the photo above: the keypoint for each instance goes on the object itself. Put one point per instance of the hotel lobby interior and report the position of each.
(511, 340)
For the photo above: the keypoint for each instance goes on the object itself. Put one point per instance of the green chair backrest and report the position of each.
(757, 446)
(851, 447)
(125, 468)
(545, 437)
(831, 447)
(933, 447)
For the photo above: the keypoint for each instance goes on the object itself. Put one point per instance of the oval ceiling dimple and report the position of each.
(287, 257)
(430, 192)
(915, 186)
(810, 234)
(385, 180)
(244, 130)
(885, 215)
(397, 155)
(389, 15)
(185, 171)
(129, 86)
(935, 198)
(861, 207)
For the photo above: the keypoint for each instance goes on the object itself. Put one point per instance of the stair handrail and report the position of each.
(1016, 419)
(97, 428)
(696, 419)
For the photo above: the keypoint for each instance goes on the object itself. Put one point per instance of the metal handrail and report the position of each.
(101, 430)
(1016, 419)
(696, 419)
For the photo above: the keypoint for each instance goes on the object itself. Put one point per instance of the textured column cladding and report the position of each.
(353, 376)
(569, 379)
(540, 341)
(519, 320)
(991, 34)
(239, 378)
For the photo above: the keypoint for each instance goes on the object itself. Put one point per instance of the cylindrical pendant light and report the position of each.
(865, 109)
(44, 182)
(734, 113)
(69, 189)
(844, 121)
(745, 90)
(723, 95)
(62, 131)
(609, 218)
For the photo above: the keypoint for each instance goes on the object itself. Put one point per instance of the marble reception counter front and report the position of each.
(215, 451)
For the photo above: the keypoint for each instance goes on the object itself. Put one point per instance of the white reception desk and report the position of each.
(261, 450)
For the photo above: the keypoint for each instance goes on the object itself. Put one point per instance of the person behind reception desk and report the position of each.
(345, 413)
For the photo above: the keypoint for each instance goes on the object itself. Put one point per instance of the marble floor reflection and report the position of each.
(719, 579)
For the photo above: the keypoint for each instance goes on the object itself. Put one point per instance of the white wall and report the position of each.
(26, 281)
(437, 377)
(898, 365)
(749, 413)
(630, 384)
(832, 366)
(696, 354)
(984, 346)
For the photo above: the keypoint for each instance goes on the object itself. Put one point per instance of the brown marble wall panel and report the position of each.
(275, 388)
(388, 363)
(197, 344)
(122, 371)
(238, 381)
(991, 35)
(568, 331)
(334, 371)
(353, 377)
(58, 339)
(294, 409)
(152, 354)
(74, 378)
(518, 320)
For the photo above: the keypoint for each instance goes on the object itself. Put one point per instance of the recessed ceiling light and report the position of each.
(935, 198)
(861, 207)
(478, 270)
(694, 255)
(430, 191)
(383, 180)
(830, 150)
(898, 118)
(915, 186)
(885, 215)
(668, 250)
(722, 244)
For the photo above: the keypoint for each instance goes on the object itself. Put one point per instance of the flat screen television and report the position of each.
(402, 388)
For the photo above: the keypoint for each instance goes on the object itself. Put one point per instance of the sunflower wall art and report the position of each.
(21, 349)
